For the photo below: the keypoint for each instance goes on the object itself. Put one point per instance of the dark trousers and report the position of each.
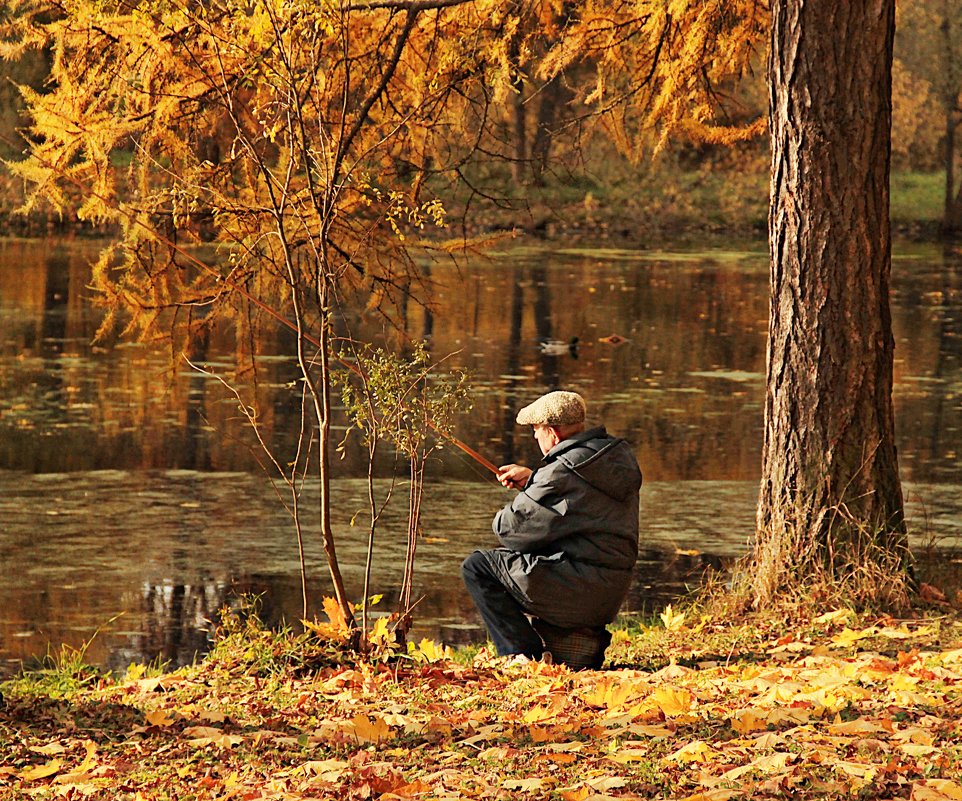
(505, 618)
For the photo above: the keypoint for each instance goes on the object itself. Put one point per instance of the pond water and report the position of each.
(132, 506)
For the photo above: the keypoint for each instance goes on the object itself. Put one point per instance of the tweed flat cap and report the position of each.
(554, 409)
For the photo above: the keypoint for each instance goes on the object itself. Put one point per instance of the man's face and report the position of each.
(545, 437)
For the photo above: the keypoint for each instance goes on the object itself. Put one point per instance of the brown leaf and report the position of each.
(931, 594)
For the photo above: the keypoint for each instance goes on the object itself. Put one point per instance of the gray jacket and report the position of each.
(570, 537)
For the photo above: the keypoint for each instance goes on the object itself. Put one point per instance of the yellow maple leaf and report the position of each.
(672, 701)
(367, 730)
(212, 715)
(135, 672)
(696, 751)
(769, 740)
(902, 681)
(578, 794)
(539, 713)
(748, 720)
(381, 632)
(834, 616)
(671, 620)
(430, 651)
(159, 717)
(847, 637)
(655, 732)
(610, 693)
(335, 614)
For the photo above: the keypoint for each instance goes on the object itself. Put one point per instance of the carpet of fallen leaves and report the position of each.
(857, 712)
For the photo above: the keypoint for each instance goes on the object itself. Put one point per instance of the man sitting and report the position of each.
(569, 540)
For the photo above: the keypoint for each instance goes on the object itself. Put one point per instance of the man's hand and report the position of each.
(514, 475)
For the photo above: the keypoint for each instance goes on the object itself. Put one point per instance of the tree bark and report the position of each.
(829, 465)
(554, 96)
(519, 130)
(952, 214)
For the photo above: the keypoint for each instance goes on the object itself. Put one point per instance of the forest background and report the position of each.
(587, 181)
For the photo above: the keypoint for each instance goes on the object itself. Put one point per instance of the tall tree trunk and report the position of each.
(830, 486)
(554, 96)
(952, 214)
(519, 122)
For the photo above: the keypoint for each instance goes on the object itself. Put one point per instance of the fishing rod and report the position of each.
(266, 308)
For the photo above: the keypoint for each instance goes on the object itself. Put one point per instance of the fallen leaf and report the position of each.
(430, 651)
(411, 790)
(769, 740)
(745, 721)
(612, 693)
(917, 750)
(936, 790)
(858, 726)
(41, 771)
(202, 736)
(931, 594)
(672, 700)
(558, 758)
(847, 637)
(335, 614)
(159, 717)
(671, 620)
(861, 772)
(49, 749)
(628, 755)
(697, 751)
(903, 632)
(82, 771)
(712, 795)
(525, 785)
(327, 769)
(832, 617)
(655, 732)
(914, 734)
(604, 783)
(367, 730)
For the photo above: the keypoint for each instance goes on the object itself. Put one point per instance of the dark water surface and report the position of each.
(132, 506)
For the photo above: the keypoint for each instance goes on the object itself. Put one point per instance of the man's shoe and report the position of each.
(577, 648)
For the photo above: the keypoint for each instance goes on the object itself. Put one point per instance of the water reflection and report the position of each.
(129, 486)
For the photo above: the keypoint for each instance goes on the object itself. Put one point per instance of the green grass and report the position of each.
(653, 203)
(917, 197)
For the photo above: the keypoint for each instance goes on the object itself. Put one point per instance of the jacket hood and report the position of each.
(605, 462)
